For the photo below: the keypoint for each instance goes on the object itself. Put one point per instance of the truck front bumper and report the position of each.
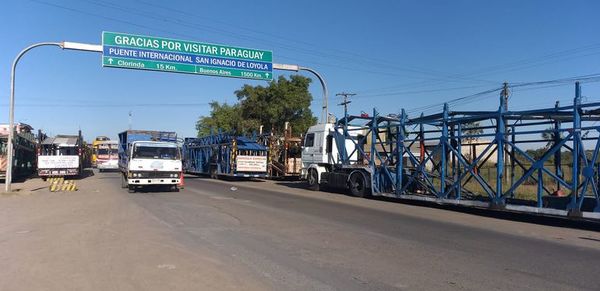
(58, 172)
(153, 181)
(111, 165)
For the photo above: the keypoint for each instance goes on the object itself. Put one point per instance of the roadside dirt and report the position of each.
(93, 239)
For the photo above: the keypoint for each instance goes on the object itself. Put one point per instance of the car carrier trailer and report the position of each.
(224, 155)
(431, 157)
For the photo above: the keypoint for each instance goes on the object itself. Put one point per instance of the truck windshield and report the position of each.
(105, 151)
(166, 153)
(53, 150)
(67, 151)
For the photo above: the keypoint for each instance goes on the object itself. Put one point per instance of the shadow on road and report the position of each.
(85, 174)
(292, 184)
(577, 223)
(302, 185)
(224, 178)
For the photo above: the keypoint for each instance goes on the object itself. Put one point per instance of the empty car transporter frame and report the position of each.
(445, 157)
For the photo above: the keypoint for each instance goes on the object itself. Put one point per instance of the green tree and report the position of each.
(222, 117)
(282, 101)
(548, 135)
(472, 128)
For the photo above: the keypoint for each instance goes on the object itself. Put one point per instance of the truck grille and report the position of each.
(156, 174)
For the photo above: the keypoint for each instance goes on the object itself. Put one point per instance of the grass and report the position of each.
(526, 190)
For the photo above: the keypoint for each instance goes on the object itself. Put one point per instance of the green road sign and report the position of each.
(170, 55)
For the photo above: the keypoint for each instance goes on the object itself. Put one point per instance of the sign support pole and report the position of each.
(11, 110)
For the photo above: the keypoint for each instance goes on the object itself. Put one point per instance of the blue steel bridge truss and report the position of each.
(432, 158)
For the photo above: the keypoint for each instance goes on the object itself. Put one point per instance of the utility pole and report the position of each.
(130, 119)
(346, 102)
(505, 94)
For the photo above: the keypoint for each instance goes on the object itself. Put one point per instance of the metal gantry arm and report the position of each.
(296, 68)
(11, 110)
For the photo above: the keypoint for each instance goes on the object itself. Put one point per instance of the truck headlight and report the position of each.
(135, 175)
(174, 175)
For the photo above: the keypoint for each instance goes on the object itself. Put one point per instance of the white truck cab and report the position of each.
(320, 146)
(152, 163)
(322, 163)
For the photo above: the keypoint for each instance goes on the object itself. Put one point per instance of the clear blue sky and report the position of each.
(393, 54)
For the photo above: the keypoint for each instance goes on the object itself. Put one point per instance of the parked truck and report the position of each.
(107, 155)
(333, 157)
(62, 155)
(284, 153)
(149, 158)
(223, 155)
(98, 140)
(24, 160)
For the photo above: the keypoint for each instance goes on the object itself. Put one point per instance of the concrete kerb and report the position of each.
(26, 187)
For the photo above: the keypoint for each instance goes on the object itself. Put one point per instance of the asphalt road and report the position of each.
(226, 235)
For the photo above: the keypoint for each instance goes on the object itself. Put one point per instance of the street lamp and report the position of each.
(11, 110)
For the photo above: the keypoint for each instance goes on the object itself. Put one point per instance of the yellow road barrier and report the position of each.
(60, 184)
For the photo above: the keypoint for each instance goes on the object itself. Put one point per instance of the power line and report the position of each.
(583, 79)
(74, 105)
(310, 52)
(526, 85)
(352, 56)
(463, 100)
(420, 91)
(521, 64)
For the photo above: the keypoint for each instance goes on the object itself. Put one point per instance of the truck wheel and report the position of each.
(131, 189)
(357, 185)
(313, 180)
(123, 181)
(213, 173)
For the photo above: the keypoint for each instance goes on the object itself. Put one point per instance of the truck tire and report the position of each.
(213, 173)
(357, 185)
(123, 181)
(131, 189)
(313, 180)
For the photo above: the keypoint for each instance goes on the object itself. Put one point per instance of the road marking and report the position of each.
(221, 197)
(167, 266)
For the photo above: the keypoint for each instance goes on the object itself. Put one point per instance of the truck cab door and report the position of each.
(319, 148)
(310, 149)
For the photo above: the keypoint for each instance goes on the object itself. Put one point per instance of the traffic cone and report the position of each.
(181, 182)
